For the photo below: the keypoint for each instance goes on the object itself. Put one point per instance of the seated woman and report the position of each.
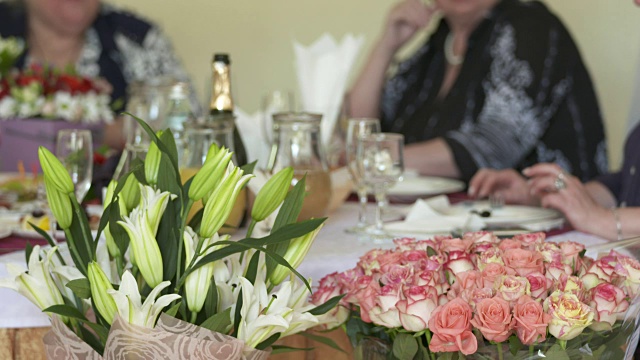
(499, 84)
(96, 39)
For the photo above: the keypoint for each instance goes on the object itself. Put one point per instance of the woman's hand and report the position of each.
(507, 184)
(567, 194)
(404, 20)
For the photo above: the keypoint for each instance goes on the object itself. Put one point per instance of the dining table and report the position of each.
(22, 324)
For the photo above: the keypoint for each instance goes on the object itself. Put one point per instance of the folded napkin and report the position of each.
(430, 217)
(323, 70)
(251, 129)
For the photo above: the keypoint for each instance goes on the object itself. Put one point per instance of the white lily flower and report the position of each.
(64, 274)
(198, 281)
(257, 325)
(36, 284)
(154, 202)
(297, 306)
(144, 247)
(130, 306)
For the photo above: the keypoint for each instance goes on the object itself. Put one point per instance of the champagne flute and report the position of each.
(381, 164)
(74, 148)
(356, 128)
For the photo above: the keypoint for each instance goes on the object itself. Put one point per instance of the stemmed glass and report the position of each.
(74, 148)
(381, 164)
(356, 128)
(274, 102)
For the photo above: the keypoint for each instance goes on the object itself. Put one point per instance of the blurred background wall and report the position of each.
(259, 34)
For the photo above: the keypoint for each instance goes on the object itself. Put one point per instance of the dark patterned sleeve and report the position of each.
(531, 73)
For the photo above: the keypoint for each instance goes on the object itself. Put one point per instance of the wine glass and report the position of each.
(74, 148)
(357, 128)
(380, 163)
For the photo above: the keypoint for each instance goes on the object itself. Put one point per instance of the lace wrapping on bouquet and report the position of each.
(170, 339)
(62, 343)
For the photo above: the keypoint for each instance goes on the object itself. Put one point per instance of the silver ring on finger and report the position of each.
(559, 183)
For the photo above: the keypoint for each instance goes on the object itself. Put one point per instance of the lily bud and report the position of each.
(198, 281)
(130, 194)
(100, 285)
(144, 247)
(297, 250)
(272, 194)
(59, 202)
(209, 175)
(152, 163)
(221, 202)
(53, 168)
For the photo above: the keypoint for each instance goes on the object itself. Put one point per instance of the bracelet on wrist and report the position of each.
(616, 217)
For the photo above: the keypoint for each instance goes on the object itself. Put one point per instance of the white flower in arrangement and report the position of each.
(259, 321)
(91, 111)
(30, 109)
(11, 46)
(66, 106)
(36, 284)
(48, 108)
(7, 107)
(198, 282)
(130, 305)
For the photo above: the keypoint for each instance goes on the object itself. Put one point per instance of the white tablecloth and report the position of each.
(333, 250)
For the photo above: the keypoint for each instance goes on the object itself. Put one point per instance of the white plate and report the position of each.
(507, 215)
(426, 185)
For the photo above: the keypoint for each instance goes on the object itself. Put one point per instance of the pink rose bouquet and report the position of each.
(485, 298)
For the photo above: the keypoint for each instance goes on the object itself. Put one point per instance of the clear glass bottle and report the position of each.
(297, 137)
(179, 114)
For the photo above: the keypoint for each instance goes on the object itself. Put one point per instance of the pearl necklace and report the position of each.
(452, 58)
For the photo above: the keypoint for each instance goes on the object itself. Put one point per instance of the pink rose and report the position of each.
(569, 316)
(481, 237)
(492, 255)
(522, 262)
(571, 253)
(511, 288)
(437, 279)
(531, 321)
(455, 244)
(603, 268)
(424, 245)
(413, 256)
(459, 261)
(338, 315)
(609, 301)
(491, 272)
(630, 270)
(385, 312)
(550, 252)
(451, 327)
(539, 285)
(556, 270)
(493, 319)
(404, 244)
(573, 285)
(465, 280)
(475, 295)
(415, 310)
(482, 247)
(397, 274)
(388, 260)
(364, 294)
(507, 244)
(369, 261)
(531, 240)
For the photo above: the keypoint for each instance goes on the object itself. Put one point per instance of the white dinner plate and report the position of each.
(426, 186)
(507, 215)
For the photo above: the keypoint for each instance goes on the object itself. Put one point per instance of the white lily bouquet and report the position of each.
(164, 287)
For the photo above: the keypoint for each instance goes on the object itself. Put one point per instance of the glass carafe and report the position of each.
(297, 139)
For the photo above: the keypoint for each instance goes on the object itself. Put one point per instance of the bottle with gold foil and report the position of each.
(221, 107)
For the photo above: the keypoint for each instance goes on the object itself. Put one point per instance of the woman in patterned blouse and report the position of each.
(96, 39)
(499, 84)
